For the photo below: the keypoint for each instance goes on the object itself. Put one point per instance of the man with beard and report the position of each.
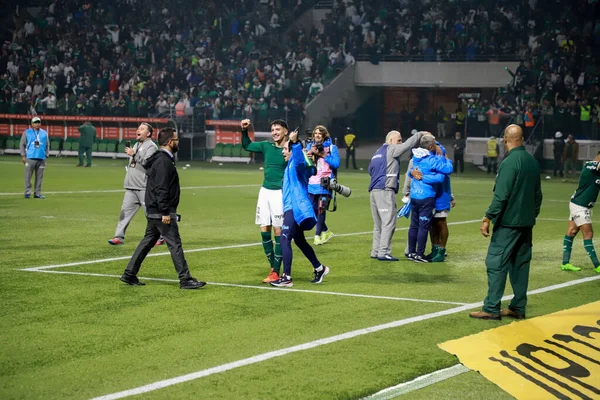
(162, 199)
(269, 208)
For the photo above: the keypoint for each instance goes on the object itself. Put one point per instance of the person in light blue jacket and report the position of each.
(298, 213)
(35, 148)
(423, 193)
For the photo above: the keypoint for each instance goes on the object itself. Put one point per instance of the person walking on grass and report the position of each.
(135, 182)
(269, 207)
(514, 209)
(35, 148)
(298, 213)
(162, 199)
(580, 218)
(87, 136)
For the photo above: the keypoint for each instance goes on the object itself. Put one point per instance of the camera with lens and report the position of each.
(319, 147)
(331, 184)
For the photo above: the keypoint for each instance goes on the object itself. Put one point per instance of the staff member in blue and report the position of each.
(298, 213)
(35, 148)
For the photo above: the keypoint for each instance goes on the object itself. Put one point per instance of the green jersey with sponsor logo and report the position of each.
(274, 161)
(589, 185)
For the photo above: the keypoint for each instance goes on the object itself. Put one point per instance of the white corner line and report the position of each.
(234, 246)
(316, 343)
(419, 382)
(269, 287)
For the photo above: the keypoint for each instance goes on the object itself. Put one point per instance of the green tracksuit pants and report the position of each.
(509, 254)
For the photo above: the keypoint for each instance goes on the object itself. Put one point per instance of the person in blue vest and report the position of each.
(35, 148)
(298, 213)
(384, 170)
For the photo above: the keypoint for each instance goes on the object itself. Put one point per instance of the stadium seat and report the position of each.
(55, 144)
(12, 143)
(218, 150)
(121, 147)
(102, 145)
(95, 146)
(237, 150)
(111, 146)
(3, 141)
(244, 153)
(227, 148)
(75, 144)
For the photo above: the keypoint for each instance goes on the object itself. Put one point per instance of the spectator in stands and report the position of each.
(87, 137)
(35, 148)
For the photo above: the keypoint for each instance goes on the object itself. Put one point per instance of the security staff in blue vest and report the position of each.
(385, 174)
(35, 148)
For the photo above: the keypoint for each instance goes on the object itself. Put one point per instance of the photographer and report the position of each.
(298, 214)
(327, 160)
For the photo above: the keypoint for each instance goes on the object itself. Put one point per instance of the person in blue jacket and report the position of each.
(327, 160)
(35, 148)
(298, 213)
(434, 169)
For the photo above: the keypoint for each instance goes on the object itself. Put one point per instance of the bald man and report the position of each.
(514, 208)
(385, 181)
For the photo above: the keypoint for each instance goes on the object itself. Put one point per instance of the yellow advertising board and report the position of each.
(553, 356)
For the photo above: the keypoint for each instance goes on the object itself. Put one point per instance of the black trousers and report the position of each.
(351, 153)
(459, 159)
(154, 229)
(558, 165)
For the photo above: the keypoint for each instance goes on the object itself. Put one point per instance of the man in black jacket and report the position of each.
(559, 147)
(162, 199)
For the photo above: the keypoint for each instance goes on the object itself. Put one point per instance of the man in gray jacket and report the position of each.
(385, 175)
(135, 181)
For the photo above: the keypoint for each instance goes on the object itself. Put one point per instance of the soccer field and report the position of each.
(71, 329)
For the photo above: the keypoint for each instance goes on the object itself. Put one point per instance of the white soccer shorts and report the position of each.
(580, 215)
(269, 208)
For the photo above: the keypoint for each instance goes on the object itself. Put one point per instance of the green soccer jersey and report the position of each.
(589, 185)
(274, 162)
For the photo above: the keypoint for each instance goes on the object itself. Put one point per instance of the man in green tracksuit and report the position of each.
(269, 208)
(580, 218)
(87, 135)
(514, 208)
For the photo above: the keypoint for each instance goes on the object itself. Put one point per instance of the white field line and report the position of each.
(316, 343)
(235, 246)
(236, 285)
(419, 383)
(122, 190)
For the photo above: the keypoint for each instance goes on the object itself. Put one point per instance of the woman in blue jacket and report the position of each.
(298, 213)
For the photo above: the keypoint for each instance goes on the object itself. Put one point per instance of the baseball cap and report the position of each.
(35, 119)
(558, 135)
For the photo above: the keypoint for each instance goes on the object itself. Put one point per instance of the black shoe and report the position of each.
(284, 281)
(319, 275)
(131, 280)
(191, 284)
(420, 259)
(39, 196)
(411, 256)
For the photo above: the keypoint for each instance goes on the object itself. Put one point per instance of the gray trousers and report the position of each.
(132, 201)
(38, 166)
(383, 210)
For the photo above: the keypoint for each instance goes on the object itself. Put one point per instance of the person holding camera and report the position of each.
(135, 181)
(35, 148)
(269, 208)
(326, 158)
(298, 213)
(384, 170)
(162, 199)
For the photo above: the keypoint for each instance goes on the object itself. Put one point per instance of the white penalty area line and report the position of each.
(269, 287)
(419, 383)
(317, 343)
(234, 246)
(123, 190)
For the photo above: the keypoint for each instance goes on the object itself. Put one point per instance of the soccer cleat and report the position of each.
(116, 241)
(319, 275)
(39, 196)
(440, 255)
(325, 236)
(419, 259)
(160, 242)
(272, 277)
(597, 269)
(569, 267)
(284, 281)
(431, 256)
(387, 257)
(317, 241)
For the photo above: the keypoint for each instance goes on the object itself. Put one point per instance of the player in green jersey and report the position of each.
(580, 216)
(269, 208)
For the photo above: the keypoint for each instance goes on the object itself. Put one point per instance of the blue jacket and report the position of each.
(295, 189)
(29, 150)
(443, 196)
(434, 169)
(325, 167)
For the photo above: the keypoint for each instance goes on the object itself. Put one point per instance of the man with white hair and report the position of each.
(559, 147)
(385, 176)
